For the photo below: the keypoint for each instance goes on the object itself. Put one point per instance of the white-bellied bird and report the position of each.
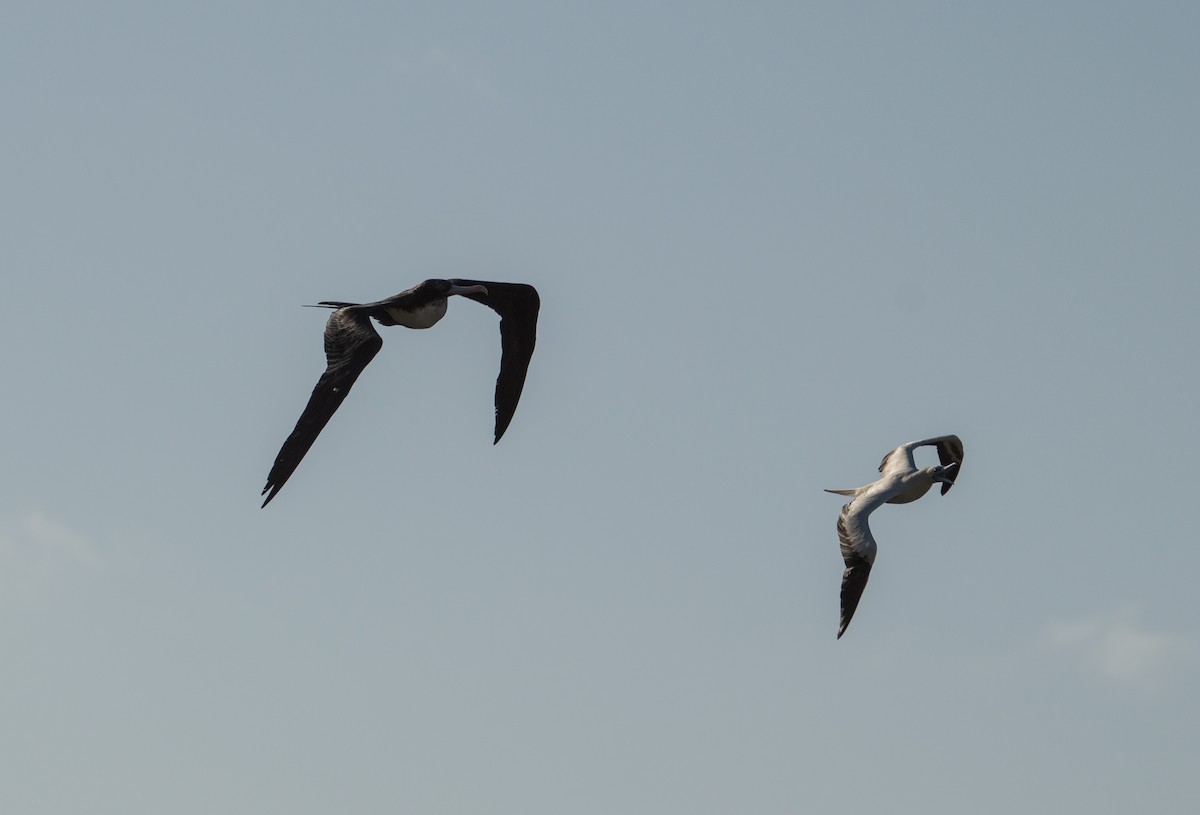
(901, 482)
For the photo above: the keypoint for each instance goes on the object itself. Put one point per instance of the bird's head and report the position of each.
(944, 476)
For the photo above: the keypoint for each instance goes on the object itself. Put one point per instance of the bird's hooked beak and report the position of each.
(456, 289)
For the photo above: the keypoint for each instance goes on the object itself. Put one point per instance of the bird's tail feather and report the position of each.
(330, 304)
(844, 492)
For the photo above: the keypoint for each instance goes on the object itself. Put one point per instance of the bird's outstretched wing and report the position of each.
(351, 342)
(517, 304)
(858, 551)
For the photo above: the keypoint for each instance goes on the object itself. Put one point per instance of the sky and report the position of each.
(772, 241)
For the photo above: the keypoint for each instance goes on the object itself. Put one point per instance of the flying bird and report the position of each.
(901, 482)
(351, 342)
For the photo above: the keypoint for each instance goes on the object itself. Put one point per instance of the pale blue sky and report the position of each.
(773, 241)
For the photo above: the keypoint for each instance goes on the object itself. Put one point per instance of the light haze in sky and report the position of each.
(772, 241)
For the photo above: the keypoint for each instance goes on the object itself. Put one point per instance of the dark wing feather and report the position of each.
(517, 304)
(351, 342)
(950, 451)
(854, 579)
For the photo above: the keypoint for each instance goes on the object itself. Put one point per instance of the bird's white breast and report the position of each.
(915, 485)
(423, 317)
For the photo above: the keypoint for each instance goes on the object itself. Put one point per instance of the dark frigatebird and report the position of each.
(351, 342)
(900, 483)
